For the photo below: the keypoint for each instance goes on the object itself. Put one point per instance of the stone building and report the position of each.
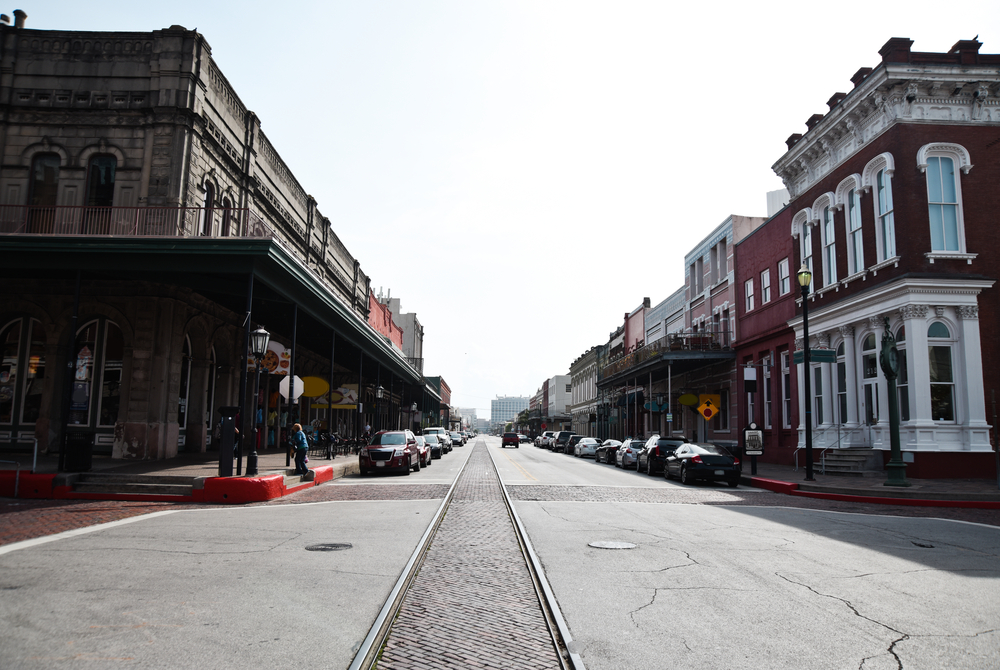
(147, 225)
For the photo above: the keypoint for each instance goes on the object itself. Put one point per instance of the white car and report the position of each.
(586, 447)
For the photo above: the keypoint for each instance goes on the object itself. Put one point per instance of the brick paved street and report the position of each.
(473, 604)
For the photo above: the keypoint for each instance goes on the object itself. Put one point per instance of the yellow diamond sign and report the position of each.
(707, 410)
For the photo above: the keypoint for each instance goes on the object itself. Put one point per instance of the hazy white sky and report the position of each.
(522, 173)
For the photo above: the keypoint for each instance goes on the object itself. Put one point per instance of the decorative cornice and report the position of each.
(847, 332)
(967, 312)
(907, 312)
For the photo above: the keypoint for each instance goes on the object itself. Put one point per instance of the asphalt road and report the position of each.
(744, 579)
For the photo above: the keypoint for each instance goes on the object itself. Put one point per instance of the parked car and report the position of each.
(627, 454)
(390, 450)
(586, 447)
(606, 452)
(435, 444)
(571, 443)
(694, 461)
(457, 439)
(523, 438)
(653, 454)
(543, 440)
(442, 435)
(561, 439)
(510, 440)
(425, 451)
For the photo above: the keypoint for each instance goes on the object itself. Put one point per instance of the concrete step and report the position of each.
(118, 478)
(134, 488)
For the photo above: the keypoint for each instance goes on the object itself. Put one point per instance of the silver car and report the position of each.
(628, 454)
(586, 447)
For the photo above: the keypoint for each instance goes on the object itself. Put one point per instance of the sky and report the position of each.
(523, 173)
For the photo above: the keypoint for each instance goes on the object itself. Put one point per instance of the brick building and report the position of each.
(893, 200)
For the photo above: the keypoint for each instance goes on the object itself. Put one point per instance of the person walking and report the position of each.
(301, 446)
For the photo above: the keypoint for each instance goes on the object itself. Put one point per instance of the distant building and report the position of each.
(506, 408)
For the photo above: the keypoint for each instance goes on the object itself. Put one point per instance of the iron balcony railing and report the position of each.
(700, 341)
(133, 221)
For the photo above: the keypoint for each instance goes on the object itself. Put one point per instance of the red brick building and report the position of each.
(893, 205)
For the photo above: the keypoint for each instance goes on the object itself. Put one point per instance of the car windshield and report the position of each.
(710, 449)
(389, 438)
(431, 439)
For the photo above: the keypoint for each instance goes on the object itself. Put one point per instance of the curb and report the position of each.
(208, 490)
(792, 489)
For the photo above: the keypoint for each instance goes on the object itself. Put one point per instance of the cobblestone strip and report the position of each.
(37, 518)
(473, 604)
(754, 498)
(333, 492)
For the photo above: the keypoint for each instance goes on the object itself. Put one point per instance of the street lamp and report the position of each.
(258, 347)
(379, 394)
(805, 277)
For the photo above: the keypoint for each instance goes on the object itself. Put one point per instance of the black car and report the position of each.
(606, 452)
(653, 456)
(436, 445)
(561, 440)
(709, 462)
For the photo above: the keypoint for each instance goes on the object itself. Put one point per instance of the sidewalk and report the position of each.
(982, 493)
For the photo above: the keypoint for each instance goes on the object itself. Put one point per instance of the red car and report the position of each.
(390, 450)
(510, 440)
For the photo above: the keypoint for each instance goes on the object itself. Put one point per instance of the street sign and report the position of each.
(544, 426)
(670, 417)
(708, 410)
(815, 356)
(753, 440)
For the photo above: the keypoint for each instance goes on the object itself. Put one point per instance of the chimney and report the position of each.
(967, 50)
(835, 100)
(860, 76)
(896, 50)
(793, 139)
(19, 17)
(4, 19)
(813, 120)
(645, 303)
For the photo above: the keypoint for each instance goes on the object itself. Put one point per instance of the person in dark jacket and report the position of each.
(301, 449)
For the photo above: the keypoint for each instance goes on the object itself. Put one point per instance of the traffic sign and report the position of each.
(707, 410)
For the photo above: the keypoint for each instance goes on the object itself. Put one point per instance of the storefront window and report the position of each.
(34, 374)
(10, 340)
(941, 373)
(114, 355)
(182, 394)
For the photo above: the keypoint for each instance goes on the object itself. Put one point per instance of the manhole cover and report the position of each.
(331, 546)
(612, 545)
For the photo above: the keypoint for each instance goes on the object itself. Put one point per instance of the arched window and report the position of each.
(886, 225)
(101, 181)
(942, 376)
(22, 372)
(829, 248)
(869, 371)
(903, 378)
(941, 163)
(206, 226)
(99, 353)
(185, 386)
(841, 385)
(855, 244)
(43, 192)
(807, 246)
(226, 217)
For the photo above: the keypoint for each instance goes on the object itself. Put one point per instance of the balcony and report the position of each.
(132, 221)
(702, 341)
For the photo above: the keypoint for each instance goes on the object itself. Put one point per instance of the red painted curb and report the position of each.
(28, 485)
(911, 502)
(776, 485)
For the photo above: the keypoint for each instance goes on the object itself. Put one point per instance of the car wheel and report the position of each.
(416, 468)
(649, 467)
(733, 484)
(408, 469)
(685, 477)
(666, 472)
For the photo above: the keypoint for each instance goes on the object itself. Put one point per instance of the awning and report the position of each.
(633, 398)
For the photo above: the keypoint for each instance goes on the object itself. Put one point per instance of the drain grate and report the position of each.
(612, 545)
(330, 546)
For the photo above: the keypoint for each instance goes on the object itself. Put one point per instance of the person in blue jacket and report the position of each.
(301, 446)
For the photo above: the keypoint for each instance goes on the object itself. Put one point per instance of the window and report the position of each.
(807, 247)
(100, 352)
(829, 248)
(765, 286)
(206, 226)
(855, 244)
(101, 181)
(22, 371)
(903, 378)
(722, 418)
(786, 392)
(784, 279)
(42, 193)
(941, 373)
(766, 370)
(942, 201)
(817, 390)
(886, 227)
(185, 388)
(869, 368)
(841, 385)
(749, 294)
(569, 388)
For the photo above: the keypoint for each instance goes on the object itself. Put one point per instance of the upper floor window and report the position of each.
(941, 163)
(886, 227)
(784, 279)
(101, 181)
(855, 244)
(44, 180)
(807, 247)
(748, 287)
(765, 286)
(829, 248)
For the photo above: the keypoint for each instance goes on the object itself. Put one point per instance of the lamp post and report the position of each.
(379, 393)
(805, 277)
(258, 347)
